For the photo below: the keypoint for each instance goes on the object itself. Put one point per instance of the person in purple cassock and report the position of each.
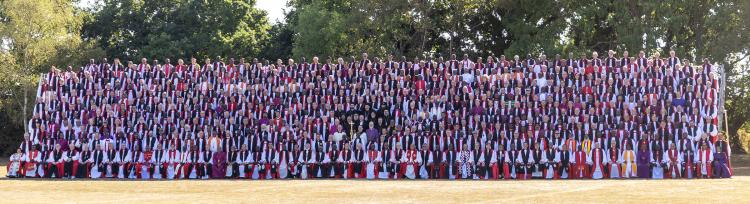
(643, 161)
(220, 164)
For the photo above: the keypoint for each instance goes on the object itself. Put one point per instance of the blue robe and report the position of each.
(721, 167)
(643, 160)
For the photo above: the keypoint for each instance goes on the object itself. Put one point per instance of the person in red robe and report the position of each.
(579, 168)
(674, 166)
(31, 161)
(173, 162)
(703, 161)
(410, 163)
(613, 167)
(597, 160)
(147, 164)
(55, 162)
(373, 162)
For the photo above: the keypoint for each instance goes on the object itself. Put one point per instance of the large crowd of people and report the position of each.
(580, 117)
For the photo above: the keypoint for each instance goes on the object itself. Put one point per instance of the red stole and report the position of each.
(32, 156)
(411, 156)
(372, 155)
(704, 156)
(147, 156)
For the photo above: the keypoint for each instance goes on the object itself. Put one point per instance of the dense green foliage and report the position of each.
(178, 28)
(42, 33)
(35, 35)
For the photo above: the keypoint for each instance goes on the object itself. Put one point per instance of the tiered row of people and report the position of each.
(488, 118)
(552, 162)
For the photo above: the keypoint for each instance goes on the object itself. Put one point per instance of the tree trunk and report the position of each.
(734, 137)
(25, 72)
(25, 103)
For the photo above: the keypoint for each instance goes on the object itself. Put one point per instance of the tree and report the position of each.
(349, 27)
(728, 42)
(319, 31)
(178, 28)
(738, 105)
(279, 45)
(35, 35)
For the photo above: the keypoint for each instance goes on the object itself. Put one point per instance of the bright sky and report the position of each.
(273, 7)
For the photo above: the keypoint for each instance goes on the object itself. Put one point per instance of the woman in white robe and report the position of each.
(537, 173)
(232, 158)
(512, 154)
(14, 165)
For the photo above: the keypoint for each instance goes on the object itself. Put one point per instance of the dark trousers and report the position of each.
(324, 169)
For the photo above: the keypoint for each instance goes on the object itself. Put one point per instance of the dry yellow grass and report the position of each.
(733, 190)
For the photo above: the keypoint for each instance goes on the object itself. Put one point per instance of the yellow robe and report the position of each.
(586, 144)
(628, 158)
